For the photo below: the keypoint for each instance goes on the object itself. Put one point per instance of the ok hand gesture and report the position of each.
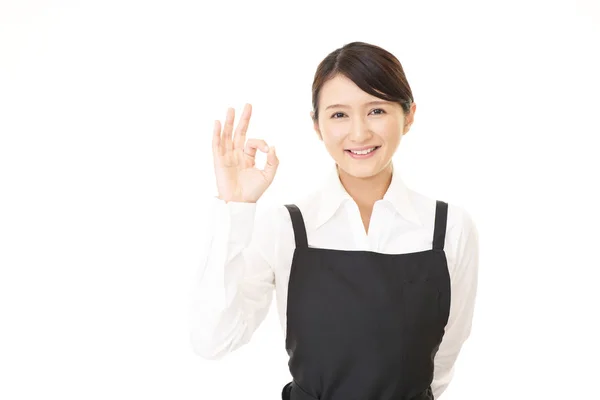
(237, 177)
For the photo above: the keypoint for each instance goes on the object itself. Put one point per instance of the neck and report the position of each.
(366, 191)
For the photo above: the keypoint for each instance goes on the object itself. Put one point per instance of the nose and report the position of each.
(359, 130)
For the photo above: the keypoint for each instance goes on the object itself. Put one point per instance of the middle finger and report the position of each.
(227, 129)
(239, 137)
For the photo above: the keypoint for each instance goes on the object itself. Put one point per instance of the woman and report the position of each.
(375, 283)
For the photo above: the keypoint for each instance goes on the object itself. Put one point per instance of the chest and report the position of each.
(378, 228)
(365, 216)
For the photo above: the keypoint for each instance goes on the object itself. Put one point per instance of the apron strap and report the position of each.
(298, 224)
(439, 232)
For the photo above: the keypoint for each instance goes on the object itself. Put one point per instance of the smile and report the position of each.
(364, 153)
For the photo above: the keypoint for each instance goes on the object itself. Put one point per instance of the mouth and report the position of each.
(362, 153)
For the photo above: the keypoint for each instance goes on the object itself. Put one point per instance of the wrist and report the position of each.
(236, 200)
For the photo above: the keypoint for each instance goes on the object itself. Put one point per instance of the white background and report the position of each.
(106, 115)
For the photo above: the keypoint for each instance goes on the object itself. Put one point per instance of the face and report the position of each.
(360, 131)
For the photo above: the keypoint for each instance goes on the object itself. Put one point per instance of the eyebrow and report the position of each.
(367, 104)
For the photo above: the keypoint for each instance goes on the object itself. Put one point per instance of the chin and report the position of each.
(364, 171)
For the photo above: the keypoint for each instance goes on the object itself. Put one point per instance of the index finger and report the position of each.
(239, 137)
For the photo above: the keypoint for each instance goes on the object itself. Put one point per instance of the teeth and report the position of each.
(363, 152)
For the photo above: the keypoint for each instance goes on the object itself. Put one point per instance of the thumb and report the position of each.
(272, 164)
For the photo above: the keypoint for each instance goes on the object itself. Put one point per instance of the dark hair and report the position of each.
(373, 69)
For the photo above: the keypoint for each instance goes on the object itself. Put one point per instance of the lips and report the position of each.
(366, 153)
(362, 150)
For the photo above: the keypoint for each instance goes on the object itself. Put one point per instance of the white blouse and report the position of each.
(248, 259)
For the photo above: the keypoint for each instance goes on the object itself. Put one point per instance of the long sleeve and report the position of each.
(234, 286)
(463, 288)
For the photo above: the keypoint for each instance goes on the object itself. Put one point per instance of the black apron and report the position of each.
(363, 325)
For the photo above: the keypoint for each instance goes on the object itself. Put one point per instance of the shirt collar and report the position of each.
(333, 195)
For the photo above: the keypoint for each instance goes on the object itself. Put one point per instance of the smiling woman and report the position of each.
(368, 106)
(375, 282)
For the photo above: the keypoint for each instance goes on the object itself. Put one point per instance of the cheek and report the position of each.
(333, 134)
(389, 132)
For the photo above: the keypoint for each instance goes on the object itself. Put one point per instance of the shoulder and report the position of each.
(461, 243)
(276, 217)
(461, 226)
(458, 219)
(274, 229)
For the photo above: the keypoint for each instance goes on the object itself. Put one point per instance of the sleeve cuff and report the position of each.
(238, 219)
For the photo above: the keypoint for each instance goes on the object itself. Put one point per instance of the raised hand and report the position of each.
(238, 179)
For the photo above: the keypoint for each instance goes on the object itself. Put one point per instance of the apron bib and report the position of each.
(363, 325)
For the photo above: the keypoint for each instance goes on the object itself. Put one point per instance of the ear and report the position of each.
(316, 125)
(409, 118)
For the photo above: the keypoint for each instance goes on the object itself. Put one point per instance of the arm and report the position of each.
(234, 286)
(463, 289)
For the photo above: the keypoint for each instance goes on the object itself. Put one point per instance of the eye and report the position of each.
(341, 113)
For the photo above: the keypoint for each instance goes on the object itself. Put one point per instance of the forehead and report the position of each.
(342, 90)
